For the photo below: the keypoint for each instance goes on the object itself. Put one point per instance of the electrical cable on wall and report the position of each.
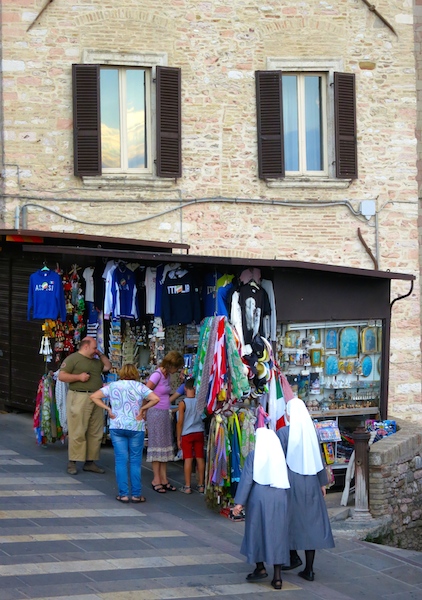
(288, 203)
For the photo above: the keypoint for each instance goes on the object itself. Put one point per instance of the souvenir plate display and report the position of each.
(369, 340)
(366, 366)
(336, 367)
(349, 342)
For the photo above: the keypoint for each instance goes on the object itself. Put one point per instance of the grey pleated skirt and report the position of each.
(160, 436)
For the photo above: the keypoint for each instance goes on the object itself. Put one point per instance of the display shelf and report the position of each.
(356, 386)
(334, 366)
(344, 412)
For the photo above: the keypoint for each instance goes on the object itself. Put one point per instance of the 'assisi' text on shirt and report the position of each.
(44, 286)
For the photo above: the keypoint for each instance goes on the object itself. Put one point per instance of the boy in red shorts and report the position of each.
(190, 438)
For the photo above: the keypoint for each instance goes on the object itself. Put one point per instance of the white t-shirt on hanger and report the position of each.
(150, 277)
(89, 290)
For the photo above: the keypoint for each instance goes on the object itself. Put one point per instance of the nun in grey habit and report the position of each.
(263, 490)
(310, 528)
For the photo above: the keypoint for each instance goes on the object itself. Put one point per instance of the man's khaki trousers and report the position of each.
(85, 421)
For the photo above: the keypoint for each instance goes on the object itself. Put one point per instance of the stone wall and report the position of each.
(395, 485)
(218, 46)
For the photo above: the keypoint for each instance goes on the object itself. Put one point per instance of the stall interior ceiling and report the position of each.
(65, 262)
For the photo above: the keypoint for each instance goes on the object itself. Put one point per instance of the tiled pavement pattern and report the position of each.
(67, 537)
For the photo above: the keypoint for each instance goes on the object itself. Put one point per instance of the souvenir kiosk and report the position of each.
(329, 326)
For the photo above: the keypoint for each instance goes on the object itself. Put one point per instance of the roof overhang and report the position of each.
(53, 238)
(154, 252)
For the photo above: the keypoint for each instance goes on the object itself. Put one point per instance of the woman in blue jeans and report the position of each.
(127, 427)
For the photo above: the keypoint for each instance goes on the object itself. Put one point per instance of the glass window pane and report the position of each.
(290, 123)
(313, 124)
(110, 118)
(135, 118)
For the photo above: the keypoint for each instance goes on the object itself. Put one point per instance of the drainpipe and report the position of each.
(17, 217)
(361, 438)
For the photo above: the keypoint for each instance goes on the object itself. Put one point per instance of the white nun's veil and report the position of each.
(269, 465)
(303, 450)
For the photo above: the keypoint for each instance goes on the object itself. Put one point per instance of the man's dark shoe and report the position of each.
(93, 468)
(71, 467)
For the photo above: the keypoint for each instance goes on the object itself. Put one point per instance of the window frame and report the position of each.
(150, 122)
(303, 172)
(327, 67)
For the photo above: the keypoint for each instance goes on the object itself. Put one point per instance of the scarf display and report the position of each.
(219, 372)
(46, 421)
(231, 438)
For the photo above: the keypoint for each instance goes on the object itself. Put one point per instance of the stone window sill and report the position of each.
(111, 180)
(307, 182)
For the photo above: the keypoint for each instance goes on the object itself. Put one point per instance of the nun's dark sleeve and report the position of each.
(283, 436)
(246, 481)
(322, 476)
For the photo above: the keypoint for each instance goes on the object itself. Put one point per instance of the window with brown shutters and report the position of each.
(113, 123)
(306, 122)
(86, 120)
(345, 126)
(168, 127)
(270, 124)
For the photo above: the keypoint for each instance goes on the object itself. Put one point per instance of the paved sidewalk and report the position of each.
(66, 536)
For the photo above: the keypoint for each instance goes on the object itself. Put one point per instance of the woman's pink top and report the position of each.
(162, 389)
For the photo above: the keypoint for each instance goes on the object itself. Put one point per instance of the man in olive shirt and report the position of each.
(82, 371)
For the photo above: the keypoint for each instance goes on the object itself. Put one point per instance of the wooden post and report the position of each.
(361, 437)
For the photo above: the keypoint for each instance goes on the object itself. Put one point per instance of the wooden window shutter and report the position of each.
(169, 122)
(269, 110)
(345, 125)
(86, 120)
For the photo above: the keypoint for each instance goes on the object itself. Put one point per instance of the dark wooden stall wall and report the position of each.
(4, 330)
(319, 296)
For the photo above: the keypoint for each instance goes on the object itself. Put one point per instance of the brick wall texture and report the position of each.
(218, 45)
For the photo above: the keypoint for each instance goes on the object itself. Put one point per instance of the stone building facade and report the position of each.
(219, 205)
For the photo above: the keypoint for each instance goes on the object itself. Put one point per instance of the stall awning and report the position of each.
(48, 239)
(151, 252)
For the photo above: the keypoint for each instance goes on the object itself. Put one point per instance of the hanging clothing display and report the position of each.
(271, 326)
(60, 389)
(219, 372)
(225, 288)
(89, 284)
(46, 421)
(150, 289)
(123, 292)
(108, 292)
(255, 305)
(180, 302)
(231, 438)
(99, 284)
(209, 294)
(45, 296)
